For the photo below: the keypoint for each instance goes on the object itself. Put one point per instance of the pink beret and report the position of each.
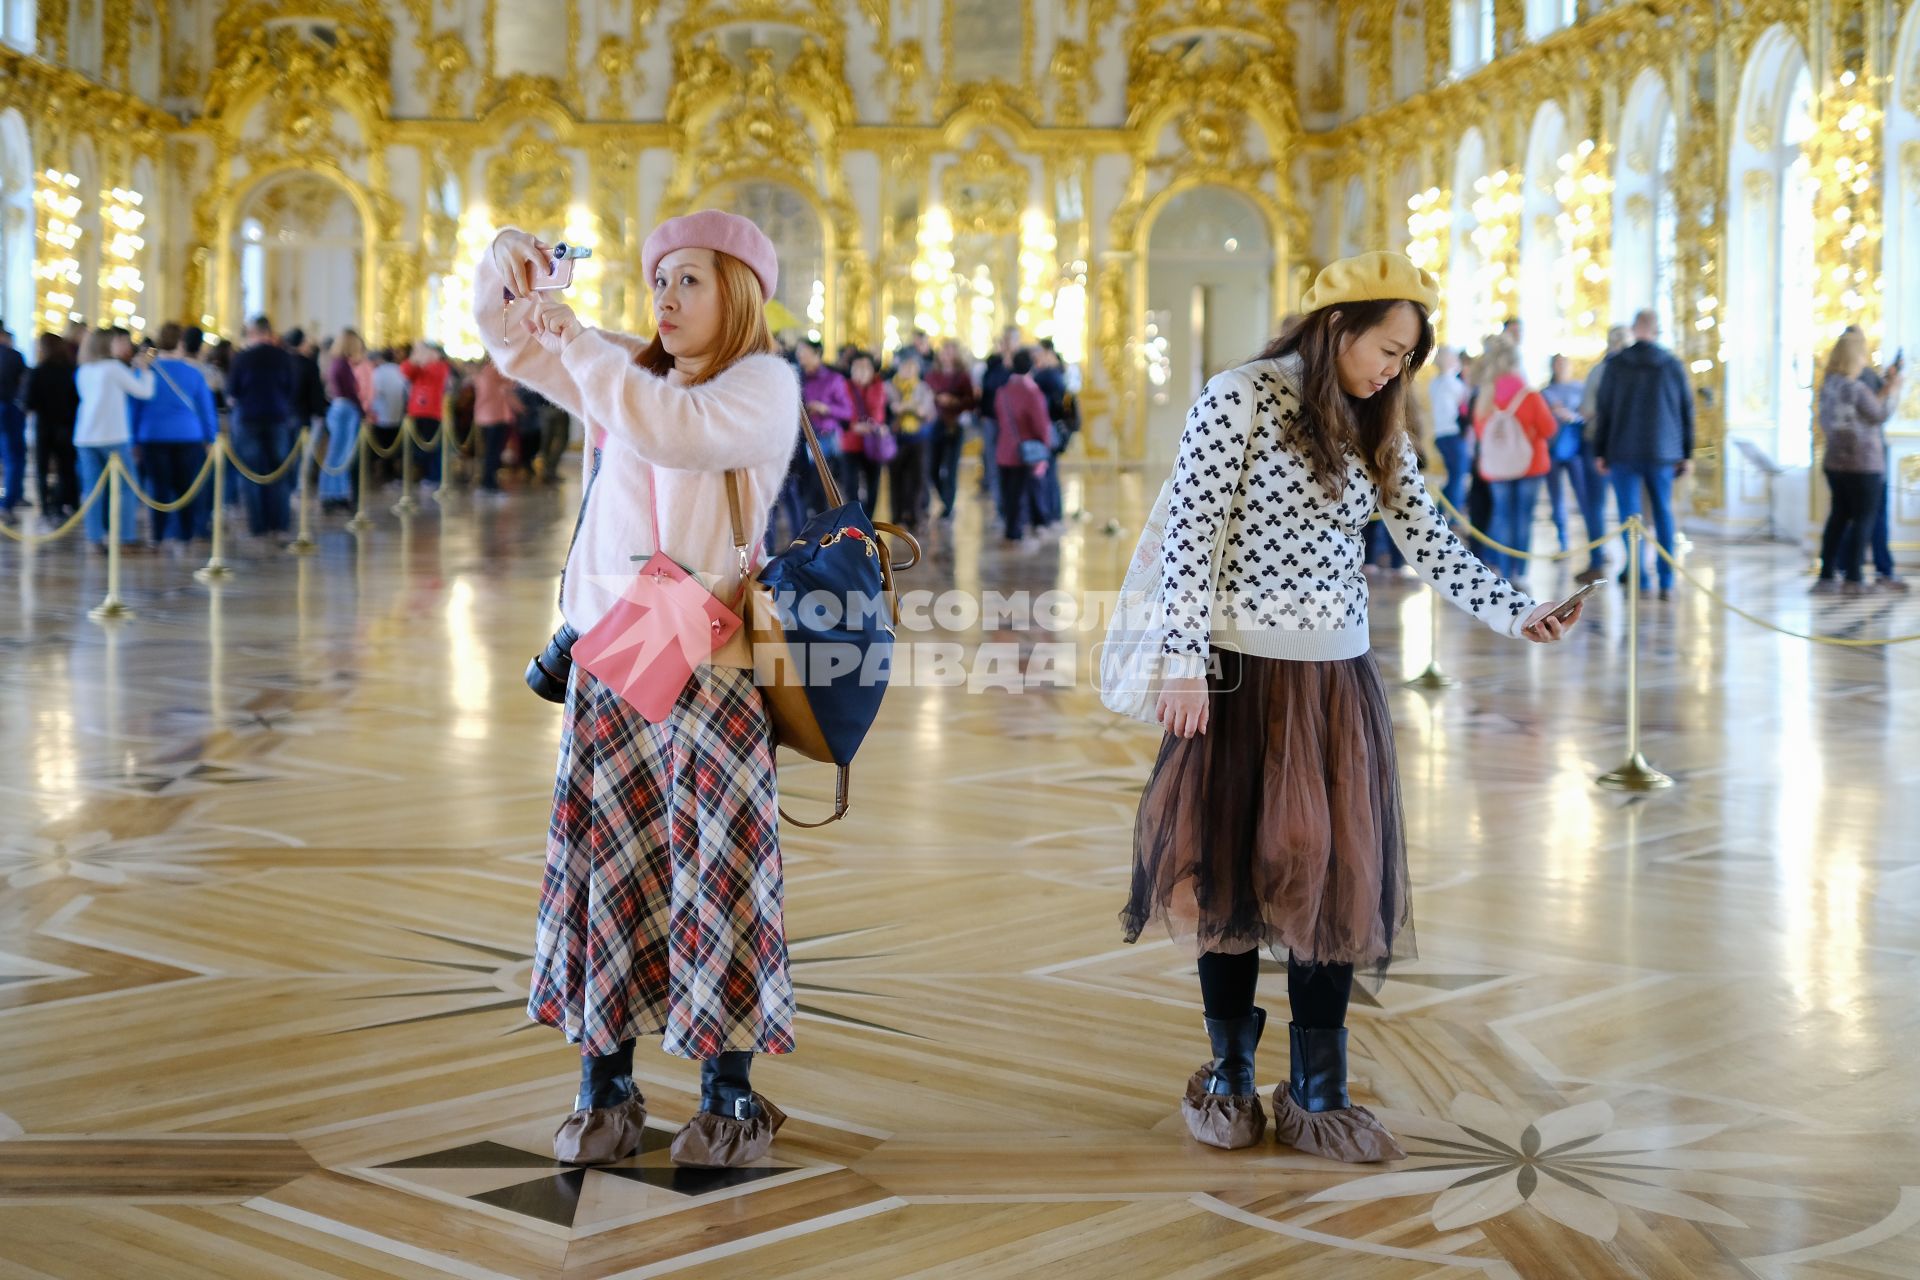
(723, 233)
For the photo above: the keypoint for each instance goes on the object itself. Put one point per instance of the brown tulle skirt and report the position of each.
(1280, 826)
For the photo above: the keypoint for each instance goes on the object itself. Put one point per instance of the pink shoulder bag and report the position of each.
(663, 625)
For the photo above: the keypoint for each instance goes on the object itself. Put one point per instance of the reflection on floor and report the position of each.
(269, 855)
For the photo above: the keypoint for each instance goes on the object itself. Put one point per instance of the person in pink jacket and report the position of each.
(1021, 409)
(661, 912)
(495, 406)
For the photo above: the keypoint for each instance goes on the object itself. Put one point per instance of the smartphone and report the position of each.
(560, 267)
(1572, 602)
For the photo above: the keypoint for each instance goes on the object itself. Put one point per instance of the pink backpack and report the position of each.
(1505, 451)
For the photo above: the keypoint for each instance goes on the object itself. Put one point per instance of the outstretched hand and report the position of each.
(1543, 628)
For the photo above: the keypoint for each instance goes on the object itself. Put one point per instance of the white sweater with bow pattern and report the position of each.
(1290, 583)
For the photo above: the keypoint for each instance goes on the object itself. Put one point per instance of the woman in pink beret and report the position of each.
(661, 910)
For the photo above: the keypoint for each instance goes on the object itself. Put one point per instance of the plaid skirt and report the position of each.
(661, 911)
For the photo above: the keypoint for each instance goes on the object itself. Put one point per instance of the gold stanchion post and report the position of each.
(303, 543)
(112, 607)
(361, 520)
(1433, 677)
(446, 456)
(217, 568)
(1634, 774)
(408, 504)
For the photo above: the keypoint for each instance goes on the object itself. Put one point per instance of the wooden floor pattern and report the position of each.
(269, 855)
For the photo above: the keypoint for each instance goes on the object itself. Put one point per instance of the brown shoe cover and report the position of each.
(601, 1135)
(1222, 1120)
(1350, 1134)
(722, 1142)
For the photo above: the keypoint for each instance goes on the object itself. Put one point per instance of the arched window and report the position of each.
(1354, 90)
(1468, 289)
(1645, 219)
(1900, 245)
(1771, 347)
(17, 17)
(1473, 35)
(1544, 17)
(17, 297)
(1546, 264)
(1409, 50)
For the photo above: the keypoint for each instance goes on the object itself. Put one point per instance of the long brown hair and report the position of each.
(1333, 421)
(743, 324)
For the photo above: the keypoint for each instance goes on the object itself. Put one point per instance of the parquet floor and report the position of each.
(269, 856)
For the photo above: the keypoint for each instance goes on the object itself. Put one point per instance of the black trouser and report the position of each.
(1317, 994)
(382, 469)
(555, 430)
(168, 470)
(493, 447)
(865, 474)
(426, 461)
(1856, 505)
(909, 473)
(57, 465)
(1013, 499)
(1480, 513)
(946, 465)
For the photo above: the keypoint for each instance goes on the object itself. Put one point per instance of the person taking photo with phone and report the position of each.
(1272, 816)
(661, 912)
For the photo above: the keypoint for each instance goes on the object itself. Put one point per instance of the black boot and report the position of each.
(726, 1087)
(734, 1126)
(1318, 1079)
(1312, 1112)
(609, 1116)
(606, 1080)
(1234, 1040)
(1222, 1107)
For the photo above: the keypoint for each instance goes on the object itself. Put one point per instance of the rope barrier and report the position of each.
(71, 523)
(407, 430)
(280, 472)
(392, 450)
(179, 503)
(353, 461)
(1840, 642)
(1568, 554)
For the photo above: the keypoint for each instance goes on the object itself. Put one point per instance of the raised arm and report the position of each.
(503, 332)
(1437, 555)
(1206, 473)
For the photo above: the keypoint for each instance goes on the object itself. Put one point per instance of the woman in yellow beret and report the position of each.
(1272, 817)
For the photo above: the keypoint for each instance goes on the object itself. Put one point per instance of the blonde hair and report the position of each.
(348, 344)
(1500, 359)
(743, 324)
(97, 345)
(1848, 357)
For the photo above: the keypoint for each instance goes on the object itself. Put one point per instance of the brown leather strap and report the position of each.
(739, 519)
(828, 484)
(839, 802)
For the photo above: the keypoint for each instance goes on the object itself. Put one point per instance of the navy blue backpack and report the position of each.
(821, 616)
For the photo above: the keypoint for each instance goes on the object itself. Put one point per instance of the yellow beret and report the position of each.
(1372, 277)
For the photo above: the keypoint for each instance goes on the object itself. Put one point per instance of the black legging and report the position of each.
(1856, 507)
(1317, 994)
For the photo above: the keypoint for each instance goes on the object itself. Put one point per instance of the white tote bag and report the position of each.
(1130, 656)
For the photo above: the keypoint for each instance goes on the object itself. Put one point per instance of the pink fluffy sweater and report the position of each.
(686, 437)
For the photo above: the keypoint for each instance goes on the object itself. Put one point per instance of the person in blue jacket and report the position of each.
(172, 433)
